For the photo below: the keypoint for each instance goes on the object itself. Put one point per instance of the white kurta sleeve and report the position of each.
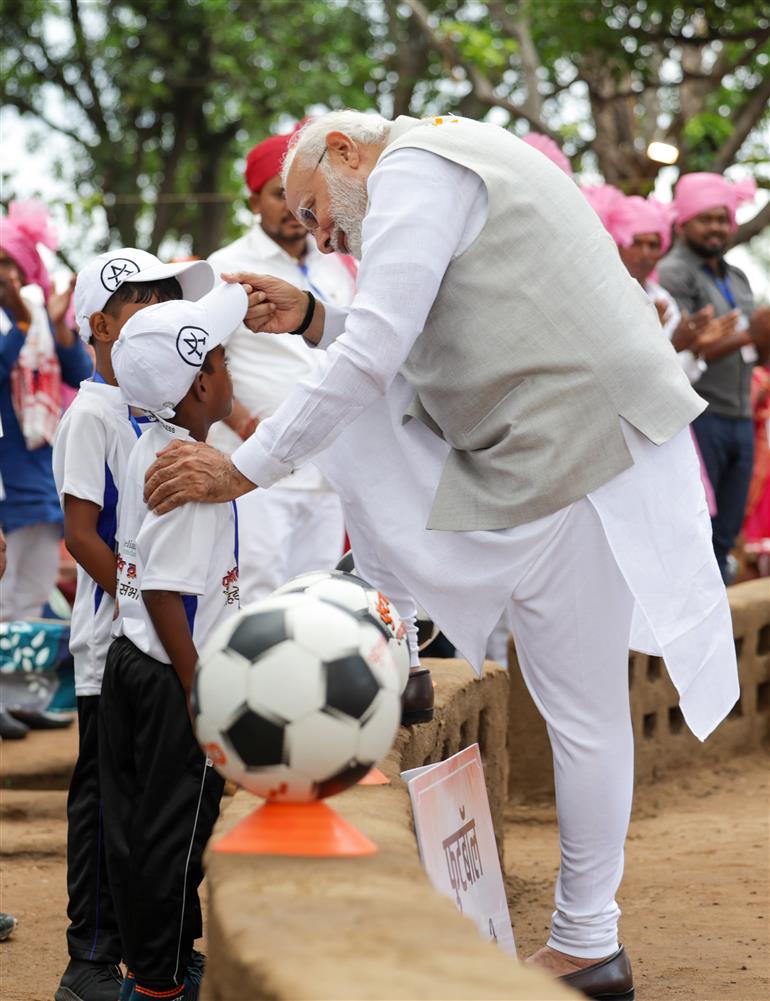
(417, 221)
(335, 318)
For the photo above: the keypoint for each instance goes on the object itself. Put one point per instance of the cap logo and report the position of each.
(191, 345)
(117, 271)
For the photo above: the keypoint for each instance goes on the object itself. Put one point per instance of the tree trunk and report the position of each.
(165, 211)
(210, 217)
(752, 227)
(409, 61)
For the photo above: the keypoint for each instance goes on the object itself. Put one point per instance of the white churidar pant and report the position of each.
(33, 563)
(571, 630)
(283, 533)
(631, 564)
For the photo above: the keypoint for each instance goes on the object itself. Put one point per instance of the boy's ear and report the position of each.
(99, 324)
(104, 327)
(200, 387)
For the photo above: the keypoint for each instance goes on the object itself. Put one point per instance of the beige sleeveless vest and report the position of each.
(537, 343)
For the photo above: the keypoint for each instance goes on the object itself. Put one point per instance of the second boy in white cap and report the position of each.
(177, 579)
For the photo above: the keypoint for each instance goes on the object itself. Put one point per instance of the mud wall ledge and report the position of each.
(370, 927)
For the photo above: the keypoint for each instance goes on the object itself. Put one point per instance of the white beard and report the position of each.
(349, 201)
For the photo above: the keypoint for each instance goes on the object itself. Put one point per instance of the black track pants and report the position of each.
(160, 805)
(93, 930)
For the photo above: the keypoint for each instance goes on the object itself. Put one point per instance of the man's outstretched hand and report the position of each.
(191, 471)
(276, 306)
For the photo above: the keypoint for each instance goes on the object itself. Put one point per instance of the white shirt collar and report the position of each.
(264, 246)
(110, 394)
(167, 429)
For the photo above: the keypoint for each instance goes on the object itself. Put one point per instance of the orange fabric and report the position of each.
(175, 992)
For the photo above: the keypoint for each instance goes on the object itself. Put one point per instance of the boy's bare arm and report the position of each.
(166, 610)
(83, 541)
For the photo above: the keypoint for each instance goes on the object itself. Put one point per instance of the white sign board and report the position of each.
(457, 841)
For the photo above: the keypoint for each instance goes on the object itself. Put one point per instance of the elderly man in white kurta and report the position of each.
(541, 417)
(298, 526)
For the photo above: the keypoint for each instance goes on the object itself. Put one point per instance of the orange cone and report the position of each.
(374, 777)
(310, 829)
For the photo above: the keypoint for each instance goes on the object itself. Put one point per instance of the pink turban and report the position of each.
(625, 217)
(549, 148)
(696, 193)
(602, 198)
(629, 217)
(26, 225)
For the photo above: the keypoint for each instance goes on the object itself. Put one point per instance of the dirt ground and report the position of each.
(696, 892)
(34, 776)
(696, 895)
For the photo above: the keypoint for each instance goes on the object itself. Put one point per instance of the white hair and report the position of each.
(310, 142)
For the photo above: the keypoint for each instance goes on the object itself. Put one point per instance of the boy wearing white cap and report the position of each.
(90, 454)
(177, 580)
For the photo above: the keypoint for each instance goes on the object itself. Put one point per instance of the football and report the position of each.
(351, 592)
(295, 698)
(427, 630)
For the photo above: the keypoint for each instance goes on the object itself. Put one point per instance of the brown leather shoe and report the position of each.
(609, 980)
(417, 700)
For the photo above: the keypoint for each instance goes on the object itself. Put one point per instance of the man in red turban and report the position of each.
(297, 526)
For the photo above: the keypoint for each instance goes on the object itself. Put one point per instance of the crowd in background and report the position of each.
(675, 252)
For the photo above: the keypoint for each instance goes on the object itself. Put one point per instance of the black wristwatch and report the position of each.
(308, 318)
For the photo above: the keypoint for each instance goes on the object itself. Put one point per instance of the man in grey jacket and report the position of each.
(547, 466)
(697, 275)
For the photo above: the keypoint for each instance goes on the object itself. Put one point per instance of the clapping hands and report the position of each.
(58, 302)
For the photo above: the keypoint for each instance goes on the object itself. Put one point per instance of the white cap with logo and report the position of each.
(162, 348)
(107, 272)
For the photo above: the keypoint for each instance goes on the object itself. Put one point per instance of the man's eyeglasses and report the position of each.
(306, 215)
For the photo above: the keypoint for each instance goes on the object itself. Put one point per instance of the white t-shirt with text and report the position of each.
(90, 456)
(192, 551)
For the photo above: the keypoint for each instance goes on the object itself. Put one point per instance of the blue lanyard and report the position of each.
(235, 518)
(724, 287)
(313, 288)
(132, 420)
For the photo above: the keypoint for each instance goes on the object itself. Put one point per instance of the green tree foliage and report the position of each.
(606, 78)
(160, 98)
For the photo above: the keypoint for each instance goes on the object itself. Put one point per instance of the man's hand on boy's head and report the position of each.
(276, 306)
(192, 471)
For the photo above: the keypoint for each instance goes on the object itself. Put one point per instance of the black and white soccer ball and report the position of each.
(427, 630)
(295, 699)
(359, 597)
